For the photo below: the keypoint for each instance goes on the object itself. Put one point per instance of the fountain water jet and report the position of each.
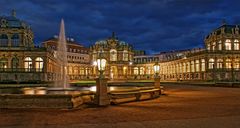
(62, 82)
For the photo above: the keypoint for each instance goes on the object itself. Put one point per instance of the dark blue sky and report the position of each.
(151, 25)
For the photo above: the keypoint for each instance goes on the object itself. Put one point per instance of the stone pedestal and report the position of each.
(157, 82)
(101, 98)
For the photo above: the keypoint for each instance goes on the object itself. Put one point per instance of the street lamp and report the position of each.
(101, 97)
(101, 64)
(156, 68)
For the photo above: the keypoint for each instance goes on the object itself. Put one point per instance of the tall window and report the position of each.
(184, 67)
(39, 64)
(228, 45)
(81, 71)
(148, 70)
(203, 65)
(180, 68)
(135, 71)
(3, 40)
(197, 65)
(208, 46)
(220, 45)
(75, 70)
(15, 63)
(113, 55)
(125, 55)
(188, 66)
(213, 46)
(15, 40)
(142, 70)
(219, 63)
(3, 63)
(192, 66)
(28, 64)
(236, 64)
(94, 55)
(211, 63)
(228, 63)
(236, 45)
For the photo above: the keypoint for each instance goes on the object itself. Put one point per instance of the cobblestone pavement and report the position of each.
(182, 106)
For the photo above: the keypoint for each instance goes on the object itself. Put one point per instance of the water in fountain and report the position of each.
(62, 82)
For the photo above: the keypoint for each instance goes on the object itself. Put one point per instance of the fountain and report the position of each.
(62, 82)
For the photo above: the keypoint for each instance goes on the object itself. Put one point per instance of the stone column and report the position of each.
(101, 97)
(157, 82)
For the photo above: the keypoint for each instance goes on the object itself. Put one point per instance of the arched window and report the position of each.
(15, 63)
(211, 63)
(3, 40)
(113, 55)
(75, 70)
(219, 63)
(184, 67)
(39, 64)
(192, 66)
(15, 40)
(3, 63)
(142, 69)
(236, 64)
(197, 65)
(135, 71)
(188, 66)
(220, 45)
(28, 64)
(228, 63)
(208, 46)
(180, 68)
(228, 45)
(236, 44)
(202, 65)
(213, 46)
(125, 55)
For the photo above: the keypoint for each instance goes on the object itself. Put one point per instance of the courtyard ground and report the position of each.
(182, 106)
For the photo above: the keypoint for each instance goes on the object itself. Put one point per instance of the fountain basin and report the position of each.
(63, 101)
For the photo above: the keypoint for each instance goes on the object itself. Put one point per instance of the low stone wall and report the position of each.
(62, 101)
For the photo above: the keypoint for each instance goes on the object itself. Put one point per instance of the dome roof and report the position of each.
(12, 22)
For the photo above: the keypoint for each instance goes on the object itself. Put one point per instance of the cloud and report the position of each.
(151, 25)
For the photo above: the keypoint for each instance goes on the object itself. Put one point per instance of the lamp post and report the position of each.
(101, 98)
(156, 68)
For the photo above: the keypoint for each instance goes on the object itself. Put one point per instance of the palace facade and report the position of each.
(21, 61)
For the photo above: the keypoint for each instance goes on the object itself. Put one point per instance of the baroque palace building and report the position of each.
(21, 61)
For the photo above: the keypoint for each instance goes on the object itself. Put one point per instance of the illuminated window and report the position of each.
(3, 63)
(203, 65)
(213, 46)
(236, 45)
(192, 66)
(28, 64)
(180, 68)
(236, 64)
(148, 70)
(220, 45)
(219, 63)
(39, 64)
(197, 65)
(125, 55)
(208, 46)
(211, 63)
(82, 71)
(75, 70)
(228, 63)
(124, 70)
(188, 66)
(228, 45)
(113, 55)
(184, 67)
(135, 71)
(142, 69)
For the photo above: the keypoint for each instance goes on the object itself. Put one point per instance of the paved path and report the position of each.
(182, 107)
